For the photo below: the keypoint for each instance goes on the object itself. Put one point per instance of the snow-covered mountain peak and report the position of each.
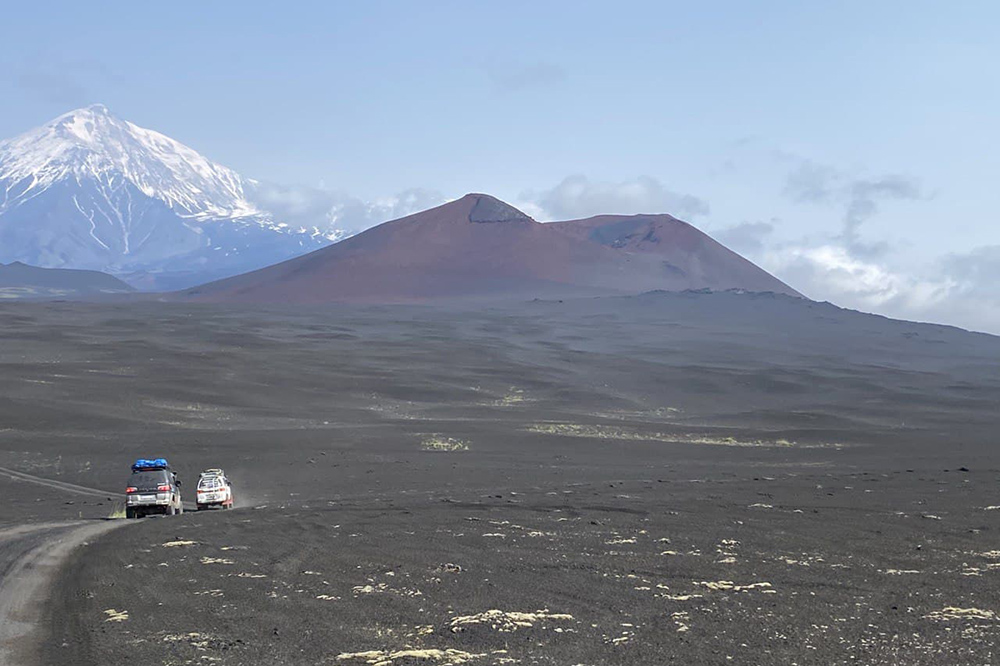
(80, 126)
(92, 143)
(92, 190)
(86, 125)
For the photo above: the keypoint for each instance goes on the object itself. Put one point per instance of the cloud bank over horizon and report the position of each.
(848, 269)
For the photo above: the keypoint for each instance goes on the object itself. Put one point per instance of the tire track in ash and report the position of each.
(57, 485)
(30, 556)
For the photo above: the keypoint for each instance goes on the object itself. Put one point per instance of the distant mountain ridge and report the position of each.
(90, 190)
(18, 280)
(479, 247)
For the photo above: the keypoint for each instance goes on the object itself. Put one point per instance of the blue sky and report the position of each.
(852, 148)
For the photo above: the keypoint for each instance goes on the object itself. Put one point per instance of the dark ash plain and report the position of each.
(670, 478)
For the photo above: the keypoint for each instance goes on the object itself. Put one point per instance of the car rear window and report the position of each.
(209, 483)
(148, 478)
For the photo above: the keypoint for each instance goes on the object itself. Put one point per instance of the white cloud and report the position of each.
(577, 196)
(356, 215)
(310, 206)
(957, 291)
(845, 268)
(830, 272)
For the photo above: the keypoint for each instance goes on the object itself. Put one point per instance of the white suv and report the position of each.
(214, 489)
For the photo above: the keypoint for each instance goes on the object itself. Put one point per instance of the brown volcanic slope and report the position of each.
(687, 254)
(479, 246)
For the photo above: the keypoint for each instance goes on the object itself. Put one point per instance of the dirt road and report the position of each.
(29, 557)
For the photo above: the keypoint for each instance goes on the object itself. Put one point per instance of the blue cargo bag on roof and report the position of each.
(155, 463)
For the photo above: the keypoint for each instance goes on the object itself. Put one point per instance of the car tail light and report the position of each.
(131, 489)
(163, 487)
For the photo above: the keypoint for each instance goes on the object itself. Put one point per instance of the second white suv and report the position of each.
(214, 489)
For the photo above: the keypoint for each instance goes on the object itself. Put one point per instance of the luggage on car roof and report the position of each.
(150, 463)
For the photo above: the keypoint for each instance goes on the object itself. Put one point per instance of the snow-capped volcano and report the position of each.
(92, 144)
(90, 190)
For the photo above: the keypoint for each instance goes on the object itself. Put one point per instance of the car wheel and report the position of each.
(171, 510)
(201, 507)
(129, 513)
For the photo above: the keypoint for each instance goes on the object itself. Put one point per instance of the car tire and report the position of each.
(200, 507)
(130, 513)
(171, 510)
